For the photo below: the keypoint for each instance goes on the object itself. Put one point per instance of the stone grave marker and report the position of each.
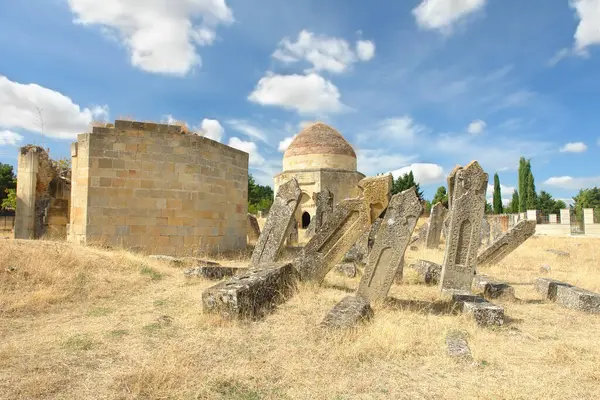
(349, 312)
(506, 243)
(436, 222)
(323, 208)
(350, 219)
(392, 240)
(273, 235)
(253, 228)
(468, 186)
(485, 233)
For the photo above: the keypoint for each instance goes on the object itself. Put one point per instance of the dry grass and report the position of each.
(91, 324)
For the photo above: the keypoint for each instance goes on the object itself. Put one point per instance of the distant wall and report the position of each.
(150, 187)
(561, 224)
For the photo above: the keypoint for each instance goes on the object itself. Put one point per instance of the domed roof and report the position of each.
(319, 138)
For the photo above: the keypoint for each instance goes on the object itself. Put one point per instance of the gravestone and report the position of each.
(485, 233)
(385, 259)
(280, 216)
(548, 287)
(436, 222)
(323, 208)
(495, 228)
(445, 226)
(493, 288)
(428, 271)
(506, 243)
(213, 272)
(253, 228)
(251, 294)
(348, 313)
(458, 347)
(421, 235)
(576, 298)
(468, 187)
(350, 219)
(292, 233)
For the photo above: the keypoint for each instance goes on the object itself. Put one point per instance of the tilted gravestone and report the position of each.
(485, 233)
(468, 186)
(253, 228)
(273, 235)
(436, 222)
(385, 259)
(323, 208)
(506, 243)
(348, 313)
(350, 219)
(292, 233)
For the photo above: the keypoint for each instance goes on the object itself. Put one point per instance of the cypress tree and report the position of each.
(497, 201)
(515, 202)
(522, 205)
(532, 203)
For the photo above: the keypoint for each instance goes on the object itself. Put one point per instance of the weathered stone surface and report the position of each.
(213, 272)
(252, 294)
(280, 216)
(292, 233)
(495, 228)
(578, 299)
(445, 226)
(421, 235)
(347, 268)
(485, 233)
(323, 209)
(183, 261)
(458, 347)
(436, 222)
(484, 312)
(348, 313)
(392, 239)
(506, 243)
(468, 186)
(253, 228)
(373, 235)
(429, 272)
(350, 219)
(493, 288)
(548, 287)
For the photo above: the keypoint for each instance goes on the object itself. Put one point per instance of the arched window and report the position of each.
(305, 220)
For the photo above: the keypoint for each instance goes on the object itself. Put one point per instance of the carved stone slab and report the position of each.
(436, 223)
(485, 233)
(280, 216)
(323, 208)
(350, 219)
(385, 259)
(251, 294)
(548, 287)
(578, 299)
(428, 271)
(506, 243)
(348, 313)
(253, 228)
(468, 186)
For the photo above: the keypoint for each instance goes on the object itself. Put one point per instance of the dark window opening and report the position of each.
(305, 220)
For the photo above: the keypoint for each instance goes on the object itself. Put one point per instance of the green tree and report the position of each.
(547, 205)
(513, 205)
(523, 167)
(488, 208)
(441, 196)
(405, 182)
(427, 207)
(8, 180)
(497, 202)
(260, 198)
(10, 201)
(587, 198)
(532, 203)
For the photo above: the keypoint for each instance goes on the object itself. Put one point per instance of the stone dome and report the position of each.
(319, 146)
(319, 138)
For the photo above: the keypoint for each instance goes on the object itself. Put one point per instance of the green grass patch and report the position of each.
(99, 312)
(118, 333)
(79, 342)
(152, 273)
(236, 391)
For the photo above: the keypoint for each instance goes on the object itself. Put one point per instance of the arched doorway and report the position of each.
(305, 220)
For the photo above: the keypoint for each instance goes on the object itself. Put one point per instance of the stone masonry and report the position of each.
(155, 188)
(468, 186)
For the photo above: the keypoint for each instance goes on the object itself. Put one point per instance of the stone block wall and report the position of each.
(151, 187)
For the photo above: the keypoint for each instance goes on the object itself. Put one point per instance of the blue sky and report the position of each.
(414, 84)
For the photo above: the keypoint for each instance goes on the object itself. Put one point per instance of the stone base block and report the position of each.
(547, 287)
(252, 294)
(347, 268)
(459, 296)
(429, 272)
(484, 312)
(578, 299)
(214, 272)
(492, 288)
(348, 313)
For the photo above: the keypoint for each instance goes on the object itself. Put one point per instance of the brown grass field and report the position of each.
(86, 323)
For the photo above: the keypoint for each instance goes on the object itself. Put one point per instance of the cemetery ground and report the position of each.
(88, 323)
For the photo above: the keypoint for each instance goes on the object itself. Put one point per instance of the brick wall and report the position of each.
(150, 187)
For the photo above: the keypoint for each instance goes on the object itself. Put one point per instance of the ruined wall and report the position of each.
(150, 187)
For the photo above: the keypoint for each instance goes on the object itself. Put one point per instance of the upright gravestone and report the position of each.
(323, 209)
(485, 233)
(436, 222)
(496, 229)
(350, 219)
(281, 214)
(253, 228)
(507, 243)
(385, 259)
(468, 186)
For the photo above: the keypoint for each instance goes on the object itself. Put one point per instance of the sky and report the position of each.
(419, 85)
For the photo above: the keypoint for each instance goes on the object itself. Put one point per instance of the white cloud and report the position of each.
(9, 138)
(401, 128)
(568, 182)
(247, 129)
(161, 36)
(307, 94)
(38, 109)
(505, 190)
(376, 161)
(442, 14)
(574, 147)
(249, 147)
(587, 33)
(425, 173)
(285, 143)
(365, 49)
(323, 52)
(212, 129)
(476, 127)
